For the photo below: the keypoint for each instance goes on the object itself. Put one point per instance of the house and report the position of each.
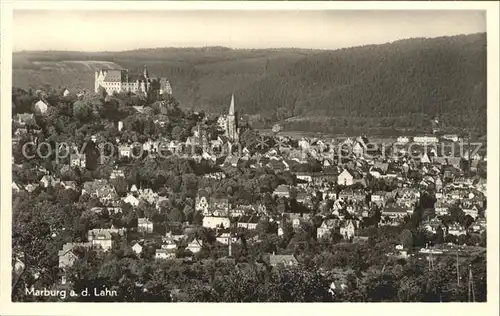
(100, 238)
(441, 208)
(218, 206)
(403, 140)
(425, 139)
(287, 260)
(67, 255)
(131, 199)
(77, 159)
(226, 238)
(394, 211)
(148, 195)
(248, 222)
(48, 181)
(16, 187)
(100, 189)
(151, 146)
(295, 221)
(425, 158)
(144, 225)
(304, 176)
(201, 204)
(41, 107)
(379, 170)
(432, 225)
(479, 225)
(282, 191)
(137, 248)
(68, 185)
(124, 151)
(30, 187)
(194, 246)
(456, 229)
(348, 229)
(360, 146)
(378, 197)
(472, 211)
(452, 137)
(164, 254)
(304, 198)
(24, 119)
(326, 228)
(214, 222)
(350, 177)
(117, 173)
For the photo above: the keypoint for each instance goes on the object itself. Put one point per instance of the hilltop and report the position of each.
(395, 85)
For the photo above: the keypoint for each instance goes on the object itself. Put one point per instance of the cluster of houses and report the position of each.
(334, 181)
(346, 198)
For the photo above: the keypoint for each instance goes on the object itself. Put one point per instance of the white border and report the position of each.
(9, 308)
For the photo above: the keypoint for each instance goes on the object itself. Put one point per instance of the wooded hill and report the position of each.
(400, 85)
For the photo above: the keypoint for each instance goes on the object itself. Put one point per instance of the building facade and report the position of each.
(122, 81)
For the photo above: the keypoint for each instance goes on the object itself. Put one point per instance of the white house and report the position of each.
(214, 222)
(137, 248)
(41, 107)
(456, 230)
(202, 205)
(425, 139)
(15, 187)
(348, 230)
(403, 140)
(132, 200)
(348, 178)
(194, 246)
(144, 225)
(224, 238)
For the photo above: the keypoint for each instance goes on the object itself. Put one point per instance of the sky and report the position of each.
(327, 29)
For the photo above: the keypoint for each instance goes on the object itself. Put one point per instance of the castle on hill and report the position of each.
(122, 81)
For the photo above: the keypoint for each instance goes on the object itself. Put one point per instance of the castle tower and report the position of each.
(99, 79)
(232, 123)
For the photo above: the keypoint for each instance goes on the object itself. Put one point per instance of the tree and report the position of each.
(175, 216)
(82, 111)
(407, 239)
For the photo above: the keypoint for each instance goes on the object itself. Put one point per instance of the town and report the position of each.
(181, 205)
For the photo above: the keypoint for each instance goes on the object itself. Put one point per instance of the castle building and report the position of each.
(229, 123)
(121, 81)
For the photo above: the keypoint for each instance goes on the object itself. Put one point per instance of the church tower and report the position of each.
(146, 79)
(232, 123)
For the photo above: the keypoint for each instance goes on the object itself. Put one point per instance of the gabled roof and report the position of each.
(284, 259)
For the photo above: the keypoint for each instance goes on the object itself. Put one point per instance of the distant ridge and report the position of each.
(400, 84)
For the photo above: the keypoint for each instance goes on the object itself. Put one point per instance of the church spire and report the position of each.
(145, 72)
(231, 107)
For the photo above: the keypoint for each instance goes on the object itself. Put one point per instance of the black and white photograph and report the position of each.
(249, 155)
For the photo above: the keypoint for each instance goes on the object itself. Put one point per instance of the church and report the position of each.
(229, 123)
(121, 81)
